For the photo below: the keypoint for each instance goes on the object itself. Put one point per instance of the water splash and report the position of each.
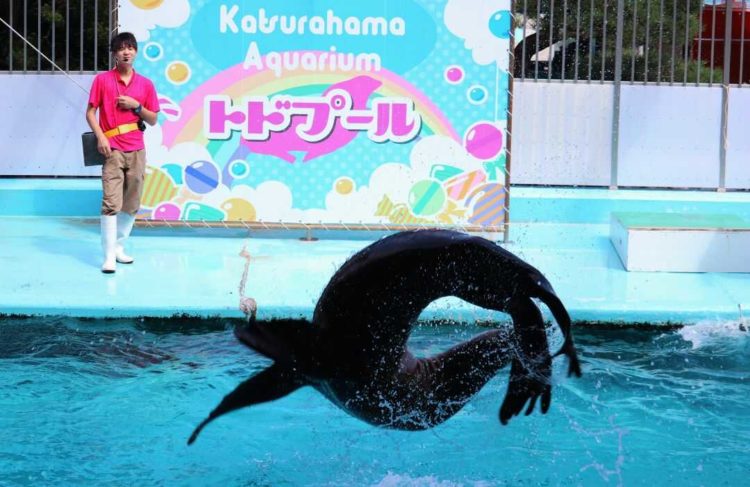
(403, 480)
(605, 472)
(713, 333)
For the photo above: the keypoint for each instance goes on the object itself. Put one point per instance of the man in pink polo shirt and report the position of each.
(124, 100)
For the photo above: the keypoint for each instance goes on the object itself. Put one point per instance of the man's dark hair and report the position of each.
(123, 39)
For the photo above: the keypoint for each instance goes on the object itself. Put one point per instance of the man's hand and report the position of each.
(103, 146)
(125, 102)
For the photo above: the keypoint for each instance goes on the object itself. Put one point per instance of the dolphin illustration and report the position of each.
(282, 144)
(355, 352)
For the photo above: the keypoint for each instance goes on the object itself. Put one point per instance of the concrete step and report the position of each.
(682, 242)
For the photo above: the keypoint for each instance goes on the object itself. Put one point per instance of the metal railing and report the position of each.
(634, 41)
(73, 33)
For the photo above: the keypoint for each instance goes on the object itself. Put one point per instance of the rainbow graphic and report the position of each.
(237, 82)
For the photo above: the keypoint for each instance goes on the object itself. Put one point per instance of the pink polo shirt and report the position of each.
(106, 88)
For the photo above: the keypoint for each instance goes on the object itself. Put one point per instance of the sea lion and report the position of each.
(355, 352)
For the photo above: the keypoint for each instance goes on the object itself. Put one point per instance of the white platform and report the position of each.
(670, 242)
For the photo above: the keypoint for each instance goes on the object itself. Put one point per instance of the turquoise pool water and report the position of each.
(113, 403)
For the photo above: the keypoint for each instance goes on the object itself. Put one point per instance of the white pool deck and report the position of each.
(49, 265)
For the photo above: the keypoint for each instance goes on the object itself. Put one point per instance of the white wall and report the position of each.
(562, 132)
(738, 150)
(40, 133)
(669, 136)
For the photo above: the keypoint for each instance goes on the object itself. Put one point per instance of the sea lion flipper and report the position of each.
(525, 386)
(270, 384)
(286, 342)
(531, 368)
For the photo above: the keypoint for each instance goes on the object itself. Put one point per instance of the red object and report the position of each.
(712, 39)
(106, 88)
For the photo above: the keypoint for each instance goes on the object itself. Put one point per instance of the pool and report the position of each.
(112, 402)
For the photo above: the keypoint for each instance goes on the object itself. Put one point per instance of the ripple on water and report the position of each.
(88, 403)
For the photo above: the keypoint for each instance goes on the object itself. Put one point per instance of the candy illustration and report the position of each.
(451, 214)
(153, 51)
(344, 185)
(202, 177)
(238, 209)
(483, 140)
(158, 187)
(397, 213)
(477, 94)
(237, 169)
(199, 212)
(454, 74)
(426, 197)
(488, 205)
(500, 24)
(174, 171)
(496, 169)
(147, 4)
(171, 110)
(177, 72)
(459, 186)
(167, 211)
(441, 172)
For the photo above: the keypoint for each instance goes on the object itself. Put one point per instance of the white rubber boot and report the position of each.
(124, 226)
(109, 241)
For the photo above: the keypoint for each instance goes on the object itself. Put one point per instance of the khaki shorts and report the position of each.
(122, 182)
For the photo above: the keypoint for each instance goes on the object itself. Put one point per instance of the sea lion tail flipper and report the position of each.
(550, 299)
(272, 383)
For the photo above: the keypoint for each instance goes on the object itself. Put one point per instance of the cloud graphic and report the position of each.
(470, 20)
(181, 154)
(396, 179)
(139, 17)
(274, 201)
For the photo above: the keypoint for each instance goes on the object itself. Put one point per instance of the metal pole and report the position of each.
(578, 36)
(604, 44)
(713, 43)
(10, 39)
(54, 25)
(648, 40)
(551, 39)
(742, 45)
(536, 56)
(25, 20)
(67, 35)
(523, 41)
(109, 30)
(96, 36)
(700, 43)
(564, 39)
(661, 39)
(591, 40)
(617, 89)
(39, 35)
(674, 43)
(509, 130)
(725, 98)
(80, 42)
(687, 42)
(634, 45)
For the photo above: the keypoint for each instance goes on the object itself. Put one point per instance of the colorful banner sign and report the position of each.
(326, 111)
